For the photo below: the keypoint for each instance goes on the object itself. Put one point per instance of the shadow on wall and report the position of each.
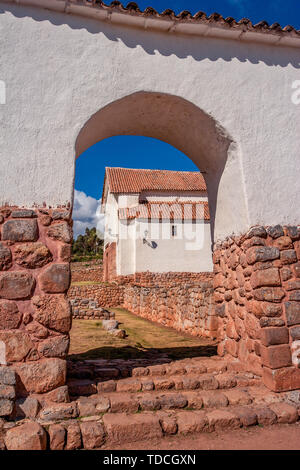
(199, 48)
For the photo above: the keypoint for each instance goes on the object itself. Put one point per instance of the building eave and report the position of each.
(214, 26)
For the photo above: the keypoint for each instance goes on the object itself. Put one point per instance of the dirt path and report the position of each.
(276, 437)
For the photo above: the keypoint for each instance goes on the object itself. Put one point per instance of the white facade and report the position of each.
(75, 75)
(157, 245)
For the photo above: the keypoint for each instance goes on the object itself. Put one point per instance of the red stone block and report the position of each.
(273, 336)
(265, 277)
(280, 380)
(276, 356)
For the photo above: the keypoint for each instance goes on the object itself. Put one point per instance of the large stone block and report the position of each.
(7, 391)
(275, 357)
(55, 278)
(275, 231)
(7, 376)
(32, 255)
(58, 411)
(60, 231)
(288, 256)
(57, 435)
(10, 317)
(273, 336)
(73, 436)
(23, 214)
(40, 376)
(17, 344)
(265, 277)
(55, 346)
(6, 407)
(5, 257)
(53, 311)
(130, 428)
(16, 285)
(262, 253)
(280, 380)
(292, 313)
(93, 434)
(28, 436)
(20, 230)
(269, 294)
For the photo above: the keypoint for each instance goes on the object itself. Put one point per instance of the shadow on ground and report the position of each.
(131, 352)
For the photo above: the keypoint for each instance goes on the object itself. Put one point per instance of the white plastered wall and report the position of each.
(61, 69)
(188, 251)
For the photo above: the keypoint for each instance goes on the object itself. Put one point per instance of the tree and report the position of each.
(89, 245)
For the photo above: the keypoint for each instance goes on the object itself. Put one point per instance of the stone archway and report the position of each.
(257, 269)
(250, 269)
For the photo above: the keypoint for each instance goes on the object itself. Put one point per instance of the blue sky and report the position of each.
(280, 11)
(142, 152)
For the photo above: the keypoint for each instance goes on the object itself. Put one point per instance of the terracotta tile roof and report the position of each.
(244, 25)
(188, 210)
(127, 180)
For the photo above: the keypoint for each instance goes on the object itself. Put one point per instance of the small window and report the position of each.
(174, 230)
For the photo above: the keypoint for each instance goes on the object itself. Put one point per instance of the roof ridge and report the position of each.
(151, 169)
(180, 23)
(199, 16)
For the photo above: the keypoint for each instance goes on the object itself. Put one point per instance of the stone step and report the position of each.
(96, 432)
(102, 369)
(146, 383)
(125, 402)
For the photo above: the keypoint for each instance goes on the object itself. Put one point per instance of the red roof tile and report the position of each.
(243, 25)
(127, 180)
(188, 210)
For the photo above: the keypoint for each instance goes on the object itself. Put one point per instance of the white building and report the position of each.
(155, 220)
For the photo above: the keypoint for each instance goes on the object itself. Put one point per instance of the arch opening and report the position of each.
(186, 127)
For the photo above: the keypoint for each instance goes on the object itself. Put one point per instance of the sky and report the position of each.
(143, 152)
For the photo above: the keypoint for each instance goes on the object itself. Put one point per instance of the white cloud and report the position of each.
(86, 213)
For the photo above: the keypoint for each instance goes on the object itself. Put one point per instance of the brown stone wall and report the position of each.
(35, 315)
(94, 297)
(257, 297)
(185, 307)
(87, 271)
(169, 279)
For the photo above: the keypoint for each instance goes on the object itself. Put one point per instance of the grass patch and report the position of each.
(143, 339)
(89, 283)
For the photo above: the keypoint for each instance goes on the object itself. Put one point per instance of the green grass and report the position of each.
(143, 338)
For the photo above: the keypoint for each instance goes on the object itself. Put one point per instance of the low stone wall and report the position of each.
(87, 271)
(187, 308)
(95, 297)
(89, 309)
(149, 279)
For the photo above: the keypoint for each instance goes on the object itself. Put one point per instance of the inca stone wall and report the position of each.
(87, 271)
(178, 300)
(257, 294)
(89, 301)
(35, 315)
